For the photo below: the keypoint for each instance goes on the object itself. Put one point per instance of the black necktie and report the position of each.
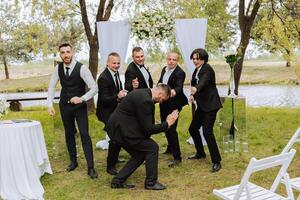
(67, 73)
(141, 66)
(117, 82)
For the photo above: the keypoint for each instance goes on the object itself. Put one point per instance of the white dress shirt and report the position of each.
(86, 76)
(167, 74)
(112, 73)
(196, 75)
(145, 74)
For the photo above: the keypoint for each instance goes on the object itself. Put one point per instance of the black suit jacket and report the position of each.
(131, 73)
(207, 96)
(107, 96)
(132, 121)
(176, 81)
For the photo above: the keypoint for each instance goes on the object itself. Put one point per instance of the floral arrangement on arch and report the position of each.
(153, 25)
(3, 107)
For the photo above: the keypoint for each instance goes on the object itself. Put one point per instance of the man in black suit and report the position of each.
(136, 75)
(204, 91)
(131, 125)
(73, 77)
(174, 76)
(110, 93)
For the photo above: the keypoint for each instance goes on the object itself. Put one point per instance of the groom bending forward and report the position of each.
(131, 126)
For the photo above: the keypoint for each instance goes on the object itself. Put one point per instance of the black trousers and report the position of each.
(70, 113)
(206, 120)
(146, 150)
(172, 137)
(112, 154)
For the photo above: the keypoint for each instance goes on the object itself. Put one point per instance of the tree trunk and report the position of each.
(288, 60)
(246, 20)
(93, 59)
(93, 66)
(5, 67)
(103, 14)
(239, 65)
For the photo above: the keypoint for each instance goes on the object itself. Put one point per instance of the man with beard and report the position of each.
(136, 75)
(73, 77)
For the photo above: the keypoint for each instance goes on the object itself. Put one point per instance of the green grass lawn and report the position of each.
(268, 130)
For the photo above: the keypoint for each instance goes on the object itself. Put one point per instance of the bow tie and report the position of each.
(141, 66)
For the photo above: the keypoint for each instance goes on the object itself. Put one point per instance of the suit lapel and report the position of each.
(112, 81)
(172, 75)
(162, 75)
(141, 78)
(201, 71)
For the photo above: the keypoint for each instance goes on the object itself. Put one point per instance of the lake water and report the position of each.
(256, 95)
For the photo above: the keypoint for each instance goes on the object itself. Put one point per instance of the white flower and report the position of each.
(155, 24)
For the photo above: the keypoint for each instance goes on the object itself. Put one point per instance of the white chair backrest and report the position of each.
(295, 138)
(283, 160)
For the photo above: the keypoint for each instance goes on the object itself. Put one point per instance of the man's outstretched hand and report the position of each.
(171, 118)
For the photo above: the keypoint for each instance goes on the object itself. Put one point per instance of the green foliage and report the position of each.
(276, 30)
(63, 23)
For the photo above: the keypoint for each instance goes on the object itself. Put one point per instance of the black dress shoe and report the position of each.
(216, 167)
(121, 185)
(196, 156)
(121, 161)
(72, 166)
(174, 163)
(156, 186)
(92, 173)
(112, 171)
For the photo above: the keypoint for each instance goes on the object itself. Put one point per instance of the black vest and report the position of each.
(74, 86)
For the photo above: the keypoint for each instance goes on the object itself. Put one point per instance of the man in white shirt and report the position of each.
(73, 77)
(173, 76)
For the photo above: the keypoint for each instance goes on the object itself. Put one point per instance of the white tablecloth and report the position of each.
(23, 160)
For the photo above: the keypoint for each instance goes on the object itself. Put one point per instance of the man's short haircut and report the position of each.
(137, 49)
(173, 52)
(200, 53)
(166, 88)
(65, 44)
(113, 54)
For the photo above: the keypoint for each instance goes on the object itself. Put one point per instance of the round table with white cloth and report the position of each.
(23, 160)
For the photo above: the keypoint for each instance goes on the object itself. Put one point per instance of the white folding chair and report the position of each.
(250, 191)
(294, 182)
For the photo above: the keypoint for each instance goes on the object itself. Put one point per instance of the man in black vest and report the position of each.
(73, 77)
(110, 93)
(131, 126)
(174, 76)
(136, 75)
